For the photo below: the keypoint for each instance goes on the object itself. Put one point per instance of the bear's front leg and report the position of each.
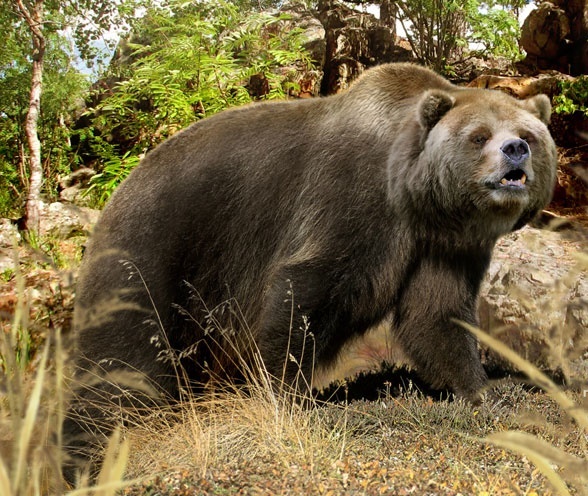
(435, 298)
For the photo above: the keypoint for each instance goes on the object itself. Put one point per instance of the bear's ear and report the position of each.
(540, 105)
(432, 107)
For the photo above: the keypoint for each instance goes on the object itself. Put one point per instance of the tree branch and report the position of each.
(32, 19)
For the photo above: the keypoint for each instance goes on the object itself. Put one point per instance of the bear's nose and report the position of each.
(516, 150)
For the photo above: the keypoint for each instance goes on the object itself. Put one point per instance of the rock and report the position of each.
(544, 31)
(523, 86)
(9, 239)
(555, 36)
(535, 299)
(64, 220)
(61, 221)
(305, 82)
(577, 12)
(354, 41)
(313, 31)
(9, 234)
(81, 176)
(73, 186)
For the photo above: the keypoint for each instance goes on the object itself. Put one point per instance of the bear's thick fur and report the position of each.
(301, 225)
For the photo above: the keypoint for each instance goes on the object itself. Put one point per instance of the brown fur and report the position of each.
(318, 218)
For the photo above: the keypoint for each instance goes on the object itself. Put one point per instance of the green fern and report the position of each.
(193, 61)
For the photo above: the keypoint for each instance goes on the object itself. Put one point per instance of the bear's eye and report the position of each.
(528, 137)
(479, 139)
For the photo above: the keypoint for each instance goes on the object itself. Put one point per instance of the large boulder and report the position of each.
(535, 298)
(544, 31)
(63, 220)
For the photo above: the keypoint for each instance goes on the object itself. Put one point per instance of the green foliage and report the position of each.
(13, 85)
(50, 253)
(115, 169)
(190, 61)
(63, 24)
(64, 91)
(10, 195)
(496, 31)
(16, 343)
(440, 32)
(572, 97)
(64, 88)
(7, 274)
(258, 5)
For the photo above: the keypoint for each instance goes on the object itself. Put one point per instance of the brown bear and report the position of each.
(292, 228)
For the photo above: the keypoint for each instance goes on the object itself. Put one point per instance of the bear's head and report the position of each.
(482, 157)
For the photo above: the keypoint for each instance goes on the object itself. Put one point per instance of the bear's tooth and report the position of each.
(504, 181)
(524, 178)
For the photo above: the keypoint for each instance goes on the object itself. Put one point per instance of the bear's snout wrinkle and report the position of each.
(516, 151)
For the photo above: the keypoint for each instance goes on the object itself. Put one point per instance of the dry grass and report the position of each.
(573, 470)
(250, 440)
(240, 443)
(235, 427)
(32, 400)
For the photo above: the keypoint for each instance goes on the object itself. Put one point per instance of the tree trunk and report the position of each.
(388, 13)
(33, 204)
(577, 11)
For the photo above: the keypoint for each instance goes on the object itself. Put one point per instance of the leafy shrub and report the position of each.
(9, 193)
(572, 97)
(443, 33)
(114, 171)
(496, 32)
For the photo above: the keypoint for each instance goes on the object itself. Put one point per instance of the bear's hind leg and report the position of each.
(297, 325)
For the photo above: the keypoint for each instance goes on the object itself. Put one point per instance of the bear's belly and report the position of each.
(366, 353)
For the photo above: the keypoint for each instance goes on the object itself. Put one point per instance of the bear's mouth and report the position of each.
(514, 179)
